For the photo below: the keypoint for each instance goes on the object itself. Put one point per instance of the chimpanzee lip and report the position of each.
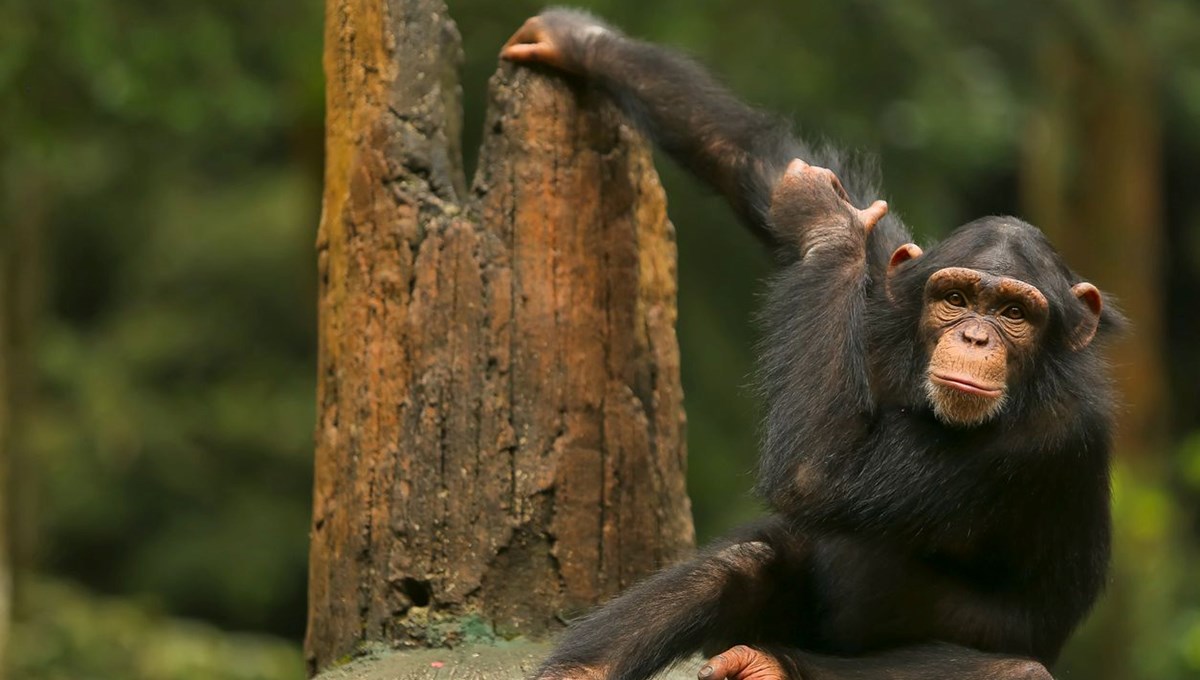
(966, 385)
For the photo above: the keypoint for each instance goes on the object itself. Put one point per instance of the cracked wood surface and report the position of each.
(500, 435)
(513, 661)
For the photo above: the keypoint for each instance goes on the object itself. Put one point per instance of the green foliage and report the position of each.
(73, 635)
(1148, 623)
(169, 155)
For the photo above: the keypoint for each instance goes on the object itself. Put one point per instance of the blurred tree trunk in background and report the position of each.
(1092, 180)
(18, 285)
(500, 428)
(7, 307)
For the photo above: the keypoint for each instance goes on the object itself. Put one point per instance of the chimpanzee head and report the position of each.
(993, 304)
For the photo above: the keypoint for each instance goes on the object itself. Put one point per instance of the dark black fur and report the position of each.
(900, 547)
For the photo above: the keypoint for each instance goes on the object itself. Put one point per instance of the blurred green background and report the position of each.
(161, 166)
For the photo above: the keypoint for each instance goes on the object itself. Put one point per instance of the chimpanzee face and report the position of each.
(996, 298)
(977, 328)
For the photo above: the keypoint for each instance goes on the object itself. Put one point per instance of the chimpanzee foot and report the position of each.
(743, 663)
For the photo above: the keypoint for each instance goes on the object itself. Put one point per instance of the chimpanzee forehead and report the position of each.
(986, 288)
(1005, 246)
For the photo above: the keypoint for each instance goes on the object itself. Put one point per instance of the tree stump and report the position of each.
(516, 661)
(500, 437)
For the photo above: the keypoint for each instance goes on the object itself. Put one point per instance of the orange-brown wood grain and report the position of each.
(500, 427)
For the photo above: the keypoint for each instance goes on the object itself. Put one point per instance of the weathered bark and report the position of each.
(500, 428)
(514, 661)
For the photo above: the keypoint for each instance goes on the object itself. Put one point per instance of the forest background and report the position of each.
(160, 177)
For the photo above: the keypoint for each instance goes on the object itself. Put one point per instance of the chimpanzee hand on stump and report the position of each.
(557, 38)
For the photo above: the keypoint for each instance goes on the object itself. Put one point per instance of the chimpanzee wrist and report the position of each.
(579, 34)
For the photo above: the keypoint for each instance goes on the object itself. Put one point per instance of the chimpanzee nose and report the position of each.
(976, 334)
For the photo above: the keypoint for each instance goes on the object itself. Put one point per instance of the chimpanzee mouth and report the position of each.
(963, 402)
(967, 385)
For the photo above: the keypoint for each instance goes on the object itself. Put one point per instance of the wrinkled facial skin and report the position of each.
(978, 327)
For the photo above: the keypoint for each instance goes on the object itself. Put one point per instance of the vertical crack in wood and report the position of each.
(491, 375)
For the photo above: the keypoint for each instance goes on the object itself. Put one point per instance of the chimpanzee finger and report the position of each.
(871, 215)
(527, 52)
(530, 32)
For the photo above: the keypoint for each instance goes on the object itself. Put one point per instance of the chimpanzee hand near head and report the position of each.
(559, 38)
(810, 204)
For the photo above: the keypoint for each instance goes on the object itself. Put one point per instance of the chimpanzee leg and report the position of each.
(924, 662)
(723, 595)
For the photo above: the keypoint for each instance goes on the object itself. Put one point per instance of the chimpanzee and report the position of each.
(937, 427)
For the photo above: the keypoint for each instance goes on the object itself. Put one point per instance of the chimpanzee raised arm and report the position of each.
(740, 151)
(744, 153)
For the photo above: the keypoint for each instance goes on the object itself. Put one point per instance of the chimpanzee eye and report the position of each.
(956, 299)
(1014, 312)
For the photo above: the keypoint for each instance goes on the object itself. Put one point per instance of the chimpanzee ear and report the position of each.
(906, 252)
(1085, 330)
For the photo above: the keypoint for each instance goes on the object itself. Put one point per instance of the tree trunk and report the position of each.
(19, 288)
(19, 293)
(500, 427)
(7, 261)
